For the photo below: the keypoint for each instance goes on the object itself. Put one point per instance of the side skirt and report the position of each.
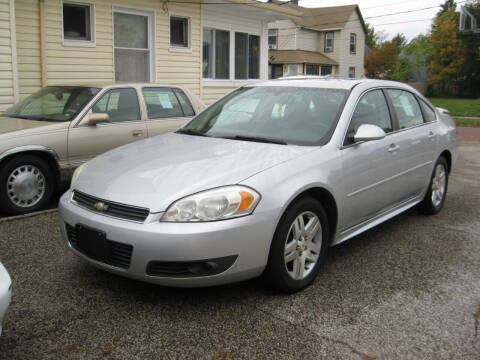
(376, 220)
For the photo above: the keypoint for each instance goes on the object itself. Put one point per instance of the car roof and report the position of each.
(328, 82)
(115, 84)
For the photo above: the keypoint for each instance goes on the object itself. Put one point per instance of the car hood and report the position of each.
(12, 124)
(155, 172)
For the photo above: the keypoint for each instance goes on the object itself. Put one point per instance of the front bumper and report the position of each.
(246, 240)
(5, 293)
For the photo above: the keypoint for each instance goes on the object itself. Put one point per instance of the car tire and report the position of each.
(296, 255)
(434, 198)
(26, 185)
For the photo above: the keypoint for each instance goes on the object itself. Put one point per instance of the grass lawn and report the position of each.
(467, 122)
(459, 107)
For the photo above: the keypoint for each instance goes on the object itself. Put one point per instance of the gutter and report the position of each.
(266, 6)
(43, 42)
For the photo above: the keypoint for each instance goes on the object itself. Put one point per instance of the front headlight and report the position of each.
(216, 204)
(76, 174)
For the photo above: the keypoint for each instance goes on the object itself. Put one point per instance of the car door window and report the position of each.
(371, 109)
(428, 112)
(406, 108)
(121, 105)
(162, 103)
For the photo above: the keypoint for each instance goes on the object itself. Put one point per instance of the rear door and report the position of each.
(167, 109)
(124, 126)
(415, 140)
(368, 167)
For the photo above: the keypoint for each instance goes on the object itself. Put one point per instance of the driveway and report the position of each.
(408, 289)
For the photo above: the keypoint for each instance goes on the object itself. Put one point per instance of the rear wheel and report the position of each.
(26, 185)
(437, 190)
(299, 247)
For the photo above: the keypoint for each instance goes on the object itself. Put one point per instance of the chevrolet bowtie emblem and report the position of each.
(100, 206)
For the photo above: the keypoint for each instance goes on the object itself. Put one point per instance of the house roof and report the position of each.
(325, 18)
(299, 57)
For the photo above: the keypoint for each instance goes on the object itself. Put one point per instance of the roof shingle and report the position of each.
(299, 57)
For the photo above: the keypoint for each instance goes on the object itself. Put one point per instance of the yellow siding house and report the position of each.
(209, 46)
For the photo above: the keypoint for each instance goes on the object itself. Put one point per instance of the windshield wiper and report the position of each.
(191, 132)
(255, 139)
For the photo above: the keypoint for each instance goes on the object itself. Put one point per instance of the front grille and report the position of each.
(119, 254)
(117, 210)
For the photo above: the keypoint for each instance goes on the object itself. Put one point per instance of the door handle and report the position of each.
(431, 135)
(137, 133)
(393, 148)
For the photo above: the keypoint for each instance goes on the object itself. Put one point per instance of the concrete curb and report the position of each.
(19, 217)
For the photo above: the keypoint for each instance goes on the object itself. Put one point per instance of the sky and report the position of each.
(382, 7)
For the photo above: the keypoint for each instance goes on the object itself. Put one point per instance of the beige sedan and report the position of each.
(48, 134)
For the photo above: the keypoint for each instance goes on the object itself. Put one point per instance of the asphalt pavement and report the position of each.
(408, 289)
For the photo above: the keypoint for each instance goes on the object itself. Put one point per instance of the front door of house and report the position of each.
(133, 46)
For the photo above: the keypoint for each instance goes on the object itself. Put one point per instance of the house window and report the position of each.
(292, 69)
(272, 38)
(276, 71)
(311, 69)
(216, 54)
(353, 43)
(326, 70)
(351, 72)
(133, 44)
(328, 41)
(247, 56)
(180, 32)
(78, 24)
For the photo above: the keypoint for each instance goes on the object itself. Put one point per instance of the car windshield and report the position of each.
(53, 103)
(277, 114)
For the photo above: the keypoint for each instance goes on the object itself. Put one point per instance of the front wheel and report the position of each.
(26, 185)
(437, 190)
(299, 246)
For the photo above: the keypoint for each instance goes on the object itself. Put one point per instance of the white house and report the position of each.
(209, 46)
(324, 40)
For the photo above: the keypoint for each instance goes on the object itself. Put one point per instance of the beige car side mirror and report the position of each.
(96, 118)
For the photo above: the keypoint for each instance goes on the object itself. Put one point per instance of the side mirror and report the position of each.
(96, 118)
(369, 132)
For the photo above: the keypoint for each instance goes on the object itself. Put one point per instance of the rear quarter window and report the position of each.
(428, 112)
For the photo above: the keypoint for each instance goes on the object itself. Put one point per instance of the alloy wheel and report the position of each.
(303, 245)
(438, 185)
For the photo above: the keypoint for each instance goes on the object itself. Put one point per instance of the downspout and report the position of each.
(201, 52)
(295, 39)
(13, 46)
(43, 43)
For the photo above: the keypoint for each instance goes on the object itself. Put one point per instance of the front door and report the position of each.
(369, 167)
(134, 58)
(125, 125)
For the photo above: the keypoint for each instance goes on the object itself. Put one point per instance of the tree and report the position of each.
(447, 5)
(371, 37)
(381, 62)
(401, 41)
(447, 52)
(403, 71)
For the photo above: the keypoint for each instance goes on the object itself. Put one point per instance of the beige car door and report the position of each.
(124, 125)
(167, 109)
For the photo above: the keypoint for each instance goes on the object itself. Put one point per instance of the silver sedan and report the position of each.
(262, 182)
